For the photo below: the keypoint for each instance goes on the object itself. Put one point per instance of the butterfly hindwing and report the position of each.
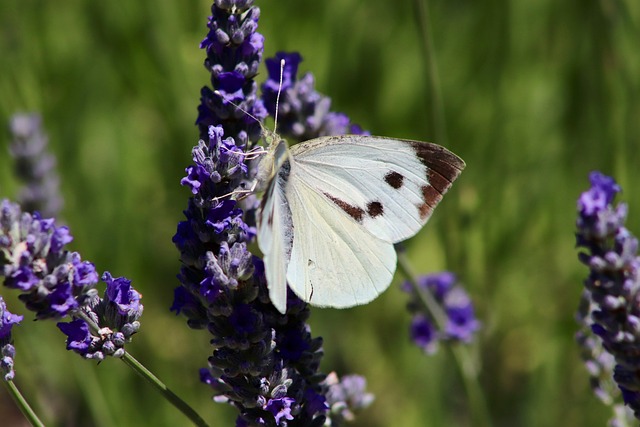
(275, 230)
(333, 263)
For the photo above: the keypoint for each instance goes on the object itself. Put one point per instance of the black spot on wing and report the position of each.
(375, 209)
(353, 211)
(394, 179)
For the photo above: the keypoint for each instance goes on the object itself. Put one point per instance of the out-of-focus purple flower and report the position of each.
(453, 300)
(35, 166)
(424, 333)
(264, 363)
(7, 350)
(600, 365)
(303, 113)
(598, 362)
(610, 252)
(346, 396)
(54, 281)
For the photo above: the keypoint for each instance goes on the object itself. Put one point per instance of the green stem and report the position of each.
(180, 404)
(436, 111)
(26, 410)
(130, 361)
(464, 361)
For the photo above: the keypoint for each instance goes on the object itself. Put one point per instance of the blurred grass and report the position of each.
(536, 94)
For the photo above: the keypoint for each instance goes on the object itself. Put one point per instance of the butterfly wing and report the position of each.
(334, 262)
(351, 198)
(389, 186)
(275, 228)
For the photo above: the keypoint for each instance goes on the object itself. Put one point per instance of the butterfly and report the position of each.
(334, 206)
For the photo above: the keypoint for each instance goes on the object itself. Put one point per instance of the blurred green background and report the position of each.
(535, 94)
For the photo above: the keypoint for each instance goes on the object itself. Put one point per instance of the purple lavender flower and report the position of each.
(7, 351)
(234, 51)
(34, 166)
(346, 396)
(613, 281)
(264, 363)
(54, 282)
(461, 323)
(600, 365)
(116, 315)
(303, 113)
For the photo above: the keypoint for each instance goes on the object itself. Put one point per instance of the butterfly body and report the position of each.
(334, 206)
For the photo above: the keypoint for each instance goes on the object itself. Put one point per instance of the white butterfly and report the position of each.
(334, 206)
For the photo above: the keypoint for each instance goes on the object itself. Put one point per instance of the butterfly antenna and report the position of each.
(221, 95)
(275, 116)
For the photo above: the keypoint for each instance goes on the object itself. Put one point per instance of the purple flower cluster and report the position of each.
(54, 282)
(303, 113)
(264, 363)
(234, 52)
(346, 396)
(461, 323)
(613, 284)
(116, 315)
(34, 166)
(7, 351)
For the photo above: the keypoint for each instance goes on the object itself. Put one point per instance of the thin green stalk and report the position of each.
(436, 112)
(180, 404)
(464, 361)
(130, 361)
(22, 403)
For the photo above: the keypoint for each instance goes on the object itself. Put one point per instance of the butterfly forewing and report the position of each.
(388, 186)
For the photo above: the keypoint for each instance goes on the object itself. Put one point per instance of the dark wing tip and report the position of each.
(439, 159)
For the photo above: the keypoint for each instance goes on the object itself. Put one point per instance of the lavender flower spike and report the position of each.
(7, 351)
(54, 282)
(303, 112)
(600, 365)
(234, 52)
(34, 166)
(263, 363)
(461, 323)
(613, 284)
